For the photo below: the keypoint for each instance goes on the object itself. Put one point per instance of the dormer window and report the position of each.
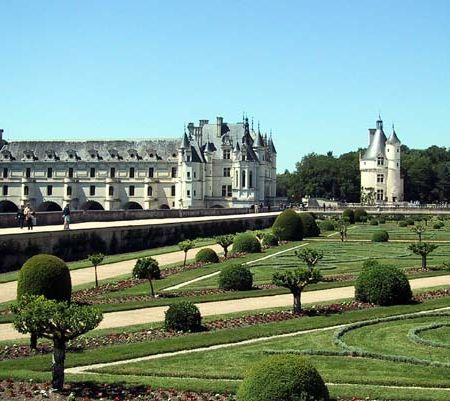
(114, 154)
(380, 161)
(133, 154)
(72, 154)
(174, 155)
(6, 155)
(29, 155)
(93, 153)
(50, 155)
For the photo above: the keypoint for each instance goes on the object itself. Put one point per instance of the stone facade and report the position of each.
(381, 181)
(214, 165)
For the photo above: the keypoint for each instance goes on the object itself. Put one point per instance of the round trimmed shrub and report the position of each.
(288, 226)
(382, 221)
(246, 242)
(283, 378)
(359, 214)
(269, 239)
(327, 225)
(374, 222)
(383, 285)
(409, 222)
(349, 215)
(380, 236)
(206, 255)
(45, 275)
(438, 225)
(403, 223)
(310, 227)
(183, 316)
(236, 277)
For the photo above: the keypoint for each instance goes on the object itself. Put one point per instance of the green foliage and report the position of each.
(283, 378)
(374, 222)
(382, 285)
(186, 245)
(359, 214)
(96, 258)
(310, 256)
(288, 226)
(422, 249)
(382, 220)
(45, 275)
(409, 222)
(269, 239)
(246, 242)
(380, 236)
(225, 241)
(438, 225)
(310, 227)
(206, 255)
(349, 215)
(327, 225)
(183, 316)
(147, 269)
(402, 223)
(236, 277)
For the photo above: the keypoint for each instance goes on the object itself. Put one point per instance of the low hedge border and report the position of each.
(413, 335)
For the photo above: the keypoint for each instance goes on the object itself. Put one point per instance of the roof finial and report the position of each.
(252, 123)
(393, 127)
(259, 131)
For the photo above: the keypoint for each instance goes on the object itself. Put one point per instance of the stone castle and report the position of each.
(213, 165)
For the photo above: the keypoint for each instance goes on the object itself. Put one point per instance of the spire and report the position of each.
(237, 148)
(377, 143)
(379, 122)
(185, 142)
(259, 141)
(271, 145)
(393, 138)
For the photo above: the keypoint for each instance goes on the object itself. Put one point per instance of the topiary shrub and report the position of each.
(382, 285)
(359, 214)
(269, 239)
(380, 236)
(409, 222)
(206, 255)
(327, 225)
(402, 223)
(183, 316)
(349, 215)
(283, 378)
(382, 221)
(236, 277)
(45, 275)
(288, 226)
(438, 225)
(374, 222)
(310, 227)
(246, 242)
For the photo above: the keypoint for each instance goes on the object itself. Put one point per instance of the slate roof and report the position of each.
(377, 145)
(393, 139)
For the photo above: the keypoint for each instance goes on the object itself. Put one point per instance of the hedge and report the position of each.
(246, 242)
(310, 227)
(236, 277)
(380, 236)
(206, 255)
(288, 226)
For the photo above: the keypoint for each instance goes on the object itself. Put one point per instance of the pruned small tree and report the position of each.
(423, 249)
(59, 322)
(295, 281)
(96, 259)
(225, 241)
(310, 256)
(147, 269)
(186, 246)
(419, 229)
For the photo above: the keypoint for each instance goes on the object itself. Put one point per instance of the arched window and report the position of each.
(250, 179)
(26, 190)
(243, 179)
(150, 191)
(69, 191)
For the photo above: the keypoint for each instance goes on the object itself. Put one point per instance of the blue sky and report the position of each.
(315, 72)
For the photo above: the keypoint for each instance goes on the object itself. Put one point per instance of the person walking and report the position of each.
(28, 212)
(20, 216)
(66, 217)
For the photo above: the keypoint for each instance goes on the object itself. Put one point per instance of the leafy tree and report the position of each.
(60, 322)
(186, 246)
(310, 256)
(147, 269)
(295, 281)
(96, 259)
(423, 249)
(419, 229)
(225, 241)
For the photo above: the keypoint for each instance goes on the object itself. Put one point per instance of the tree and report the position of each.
(310, 256)
(60, 322)
(96, 259)
(225, 241)
(422, 249)
(147, 268)
(185, 246)
(419, 229)
(295, 281)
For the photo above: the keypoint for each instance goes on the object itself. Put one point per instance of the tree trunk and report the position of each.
(151, 287)
(59, 355)
(185, 256)
(96, 278)
(297, 302)
(420, 237)
(424, 262)
(33, 340)
(225, 251)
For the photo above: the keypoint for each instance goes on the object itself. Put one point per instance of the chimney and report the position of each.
(203, 122)
(219, 126)
(371, 134)
(1, 138)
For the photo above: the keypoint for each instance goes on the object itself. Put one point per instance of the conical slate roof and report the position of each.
(272, 146)
(184, 142)
(259, 141)
(393, 139)
(377, 145)
(237, 148)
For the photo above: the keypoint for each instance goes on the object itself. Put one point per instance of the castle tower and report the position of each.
(394, 182)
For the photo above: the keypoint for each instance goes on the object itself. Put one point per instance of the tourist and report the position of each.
(66, 217)
(20, 216)
(29, 216)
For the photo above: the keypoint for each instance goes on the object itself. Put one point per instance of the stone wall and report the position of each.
(78, 244)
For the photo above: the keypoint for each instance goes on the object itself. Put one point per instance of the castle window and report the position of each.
(250, 179)
(227, 172)
(49, 172)
(188, 174)
(92, 190)
(92, 172)
(243, 158)
(243, 179)
(195, 174)
(226, 154)
(174, 172)
(112, 172)
(224, 190)
(172, 190)
(380, 161)
(26, 190)
(111, 190)
(49, 190)
(5, 172)
(69, 191)
(5, 190)
(229, 191)
(188, 193)
(188, 158)
(195, 192)
(174, 155)
(398, 164)
(149, 191)
(380, 194)
(131, 191)
(131, 172)
(70, 172)
(151, 171)
(380, 178)
(28, 172)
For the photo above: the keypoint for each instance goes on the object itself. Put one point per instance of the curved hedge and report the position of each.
(349, 215)
(206, 255)
(283, 378)
(382, 285)
(236, 277)
(288, 226)
(246, 242)
(183, 316)
(403, 223)
(310, 227)
(360, 214)
(380, 236)
(45, 275)
(327, 225)
(269, 239)
(374, 222)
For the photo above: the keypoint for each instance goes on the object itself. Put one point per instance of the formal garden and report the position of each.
(233, 316)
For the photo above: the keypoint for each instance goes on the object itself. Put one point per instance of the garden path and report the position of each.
(156, 314)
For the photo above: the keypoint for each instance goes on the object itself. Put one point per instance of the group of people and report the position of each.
(26, 216)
